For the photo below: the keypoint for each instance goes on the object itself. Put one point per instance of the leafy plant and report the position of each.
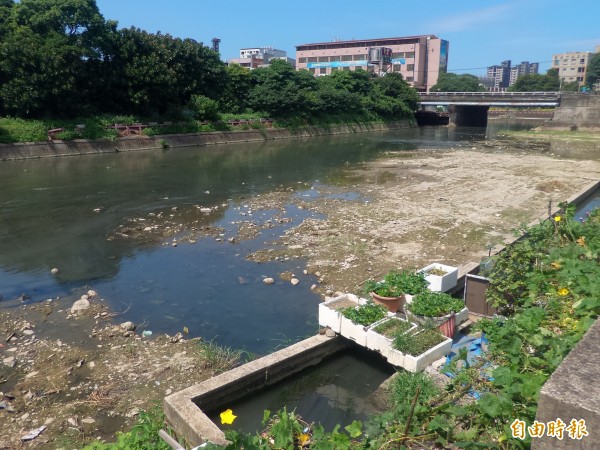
(419, 341)
(392, 327)
(366, 314)
(395, 284)
(434, 304)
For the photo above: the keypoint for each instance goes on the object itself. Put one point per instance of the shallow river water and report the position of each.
(47, 220)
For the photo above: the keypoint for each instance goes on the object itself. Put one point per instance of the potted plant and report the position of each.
(440, 276)
(355, 320)
(391, 292)
(381, 334)
(436, 308)
(418, 348)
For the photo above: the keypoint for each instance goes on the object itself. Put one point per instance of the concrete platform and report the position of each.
(184, 409)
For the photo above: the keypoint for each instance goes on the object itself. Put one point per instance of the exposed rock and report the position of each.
(268, 281)
(127, 326)
(80, 305)
(329, 332)
(294, 281)
(11, 361)
(54, 271)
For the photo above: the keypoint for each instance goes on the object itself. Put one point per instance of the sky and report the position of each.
(481, 33)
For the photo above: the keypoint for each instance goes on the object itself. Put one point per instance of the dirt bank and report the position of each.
(84, 377)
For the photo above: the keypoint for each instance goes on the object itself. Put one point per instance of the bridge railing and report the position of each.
(490, 94)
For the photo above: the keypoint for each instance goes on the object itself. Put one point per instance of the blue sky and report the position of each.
(481, 33)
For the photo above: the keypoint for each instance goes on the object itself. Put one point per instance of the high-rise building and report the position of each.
(571, 66)
(420, 59)
(500, 75)
(525, 68)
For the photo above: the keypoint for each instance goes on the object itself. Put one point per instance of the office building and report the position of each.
(420, 59)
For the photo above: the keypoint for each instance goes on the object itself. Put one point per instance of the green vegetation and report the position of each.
(592, 79)
(451, 82)
(366, 314)
(395, 284)
(392, 327)
(143, 435)
(62, 62)
(537, 82)
(418, 341)
(219, 358)
(435, 304)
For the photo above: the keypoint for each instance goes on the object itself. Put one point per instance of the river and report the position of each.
(62, 213)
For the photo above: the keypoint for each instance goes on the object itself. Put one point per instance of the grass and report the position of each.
(219, 358)
(555, 134)
(392, 327)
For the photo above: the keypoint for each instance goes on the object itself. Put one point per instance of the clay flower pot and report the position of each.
(393, 304)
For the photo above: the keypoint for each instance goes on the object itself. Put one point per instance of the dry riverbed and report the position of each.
(84, 376)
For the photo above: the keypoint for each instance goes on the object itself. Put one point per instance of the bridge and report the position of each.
(470, 108)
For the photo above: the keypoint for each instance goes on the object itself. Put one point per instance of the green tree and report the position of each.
(451, 82)
(281, 91)
(537, 82)
(593, 72)
(236, 89)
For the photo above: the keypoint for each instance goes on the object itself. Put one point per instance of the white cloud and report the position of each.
(471, 19)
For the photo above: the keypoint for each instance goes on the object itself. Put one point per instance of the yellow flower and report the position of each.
(556, 265)
(227, 417)
(581, 241)
(557, 219)
(303, 439)
(563, 291)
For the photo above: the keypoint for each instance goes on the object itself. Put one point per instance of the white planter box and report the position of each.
(462, 316)
(329, 316)
(380, 343)
(441, 283)
(356, 333)
(418, 363)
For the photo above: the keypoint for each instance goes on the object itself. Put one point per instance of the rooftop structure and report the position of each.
(255, 57)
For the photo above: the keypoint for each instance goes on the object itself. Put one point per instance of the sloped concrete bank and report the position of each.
(135, 143)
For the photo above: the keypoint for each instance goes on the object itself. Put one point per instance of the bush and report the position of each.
(203, 108)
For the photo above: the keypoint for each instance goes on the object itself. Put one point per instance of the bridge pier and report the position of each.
(468, 115)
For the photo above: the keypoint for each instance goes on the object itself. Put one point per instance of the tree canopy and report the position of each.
(451, 82)
(63, 59)
(593, 72)
(537, 82)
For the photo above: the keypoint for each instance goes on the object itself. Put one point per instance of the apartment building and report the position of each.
(499, 76)
(525, 68)
(572, 66)
(420, 59)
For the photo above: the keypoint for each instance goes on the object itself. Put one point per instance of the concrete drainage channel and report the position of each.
(184, 409)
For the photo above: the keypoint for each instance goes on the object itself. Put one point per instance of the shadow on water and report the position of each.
(329, 393)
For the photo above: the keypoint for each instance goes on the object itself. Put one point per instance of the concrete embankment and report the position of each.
(577, 111)
(135, 143)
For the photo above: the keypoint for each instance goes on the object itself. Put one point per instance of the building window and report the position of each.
(312, 70)
(334, 58)
(397, 67)
(581, 69)
(579, 78)
(410, 79)
(410, 67)
(323, 58)
(360, 57)
(398, 55)
(346, 57)
(312, 59)
(556, 62)
(582, 61)
(322, 70)
(301, 60)
(410, 54)
(345, 68)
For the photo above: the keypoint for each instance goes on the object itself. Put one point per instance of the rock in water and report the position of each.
(80, 305)
(268, 281)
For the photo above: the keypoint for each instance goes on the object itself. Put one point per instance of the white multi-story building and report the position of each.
(571, 66)
(254, 57)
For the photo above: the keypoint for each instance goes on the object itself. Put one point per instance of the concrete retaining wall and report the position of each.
(135, 143)
(184, 409)
(576, 111)
(573, 392)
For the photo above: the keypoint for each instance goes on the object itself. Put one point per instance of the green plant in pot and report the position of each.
(435, 307)
(366, 314)
(391, 291)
